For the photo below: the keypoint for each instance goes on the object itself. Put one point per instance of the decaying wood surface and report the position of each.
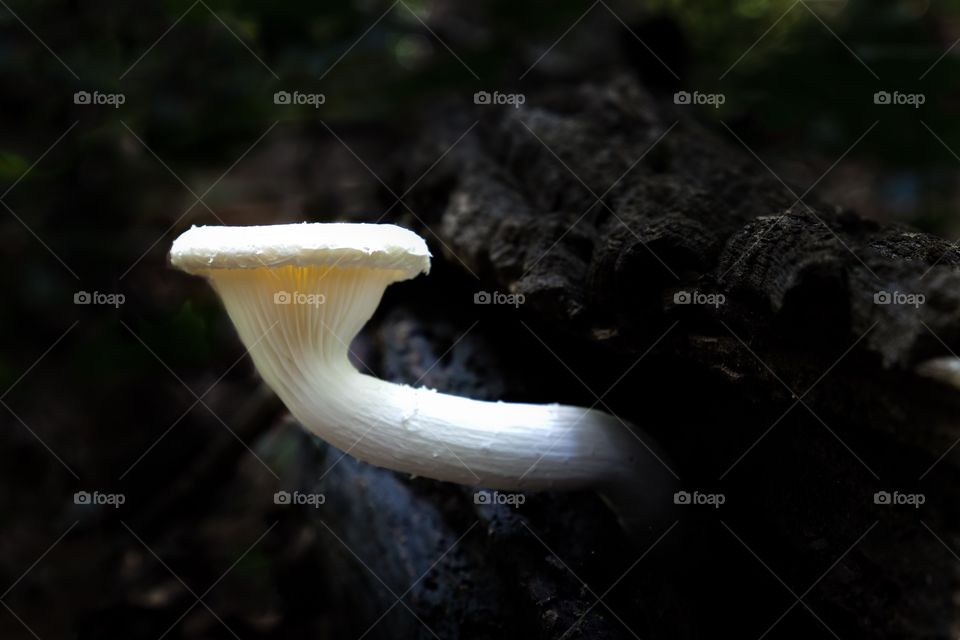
(797, 397)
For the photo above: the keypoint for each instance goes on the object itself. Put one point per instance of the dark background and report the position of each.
(154, 400)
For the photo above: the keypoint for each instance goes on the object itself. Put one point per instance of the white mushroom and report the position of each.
(298, 294)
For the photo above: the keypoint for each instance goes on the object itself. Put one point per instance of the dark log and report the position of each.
(797, 398)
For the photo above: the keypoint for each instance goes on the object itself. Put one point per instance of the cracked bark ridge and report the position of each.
(565, 201)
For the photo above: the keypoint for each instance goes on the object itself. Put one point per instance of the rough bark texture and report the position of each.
(797, 398)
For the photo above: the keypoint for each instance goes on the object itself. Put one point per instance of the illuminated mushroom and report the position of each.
(298, 294)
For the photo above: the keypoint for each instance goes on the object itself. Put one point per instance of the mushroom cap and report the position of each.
(200, 250)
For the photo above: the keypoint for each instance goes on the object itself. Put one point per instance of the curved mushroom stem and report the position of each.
(297, 323)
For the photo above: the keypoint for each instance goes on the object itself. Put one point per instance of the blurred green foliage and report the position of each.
(815, 75)
(12, 166)
(200, 77)
(790, 67)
